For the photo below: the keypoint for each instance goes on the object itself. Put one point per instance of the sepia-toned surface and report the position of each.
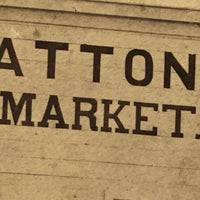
(48, 163)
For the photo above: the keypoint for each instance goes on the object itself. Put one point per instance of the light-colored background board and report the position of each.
(186, 11)
(59, 164)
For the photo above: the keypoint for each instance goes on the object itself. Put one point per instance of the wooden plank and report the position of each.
(54, 188)
(97, 22)
(71, 146)
(162, 10)
(193, 4)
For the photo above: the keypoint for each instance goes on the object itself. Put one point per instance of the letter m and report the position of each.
(16, 109)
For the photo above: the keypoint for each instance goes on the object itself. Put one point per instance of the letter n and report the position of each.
(188, 79)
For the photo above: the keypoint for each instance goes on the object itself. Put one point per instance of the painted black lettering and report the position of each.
(97, 51)
(53, 103)
(108, 115)
(16, 109)
(14, 63)
(52, 47)
(140, 118)
(188, 79)
(90, 113)
(178, 110)
(148, 67)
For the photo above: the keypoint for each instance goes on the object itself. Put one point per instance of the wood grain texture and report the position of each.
(64, 164)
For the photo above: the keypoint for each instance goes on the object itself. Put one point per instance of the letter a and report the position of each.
(14, 64)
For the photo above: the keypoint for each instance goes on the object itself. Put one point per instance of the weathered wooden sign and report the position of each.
(99, 100)
(170, 62)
